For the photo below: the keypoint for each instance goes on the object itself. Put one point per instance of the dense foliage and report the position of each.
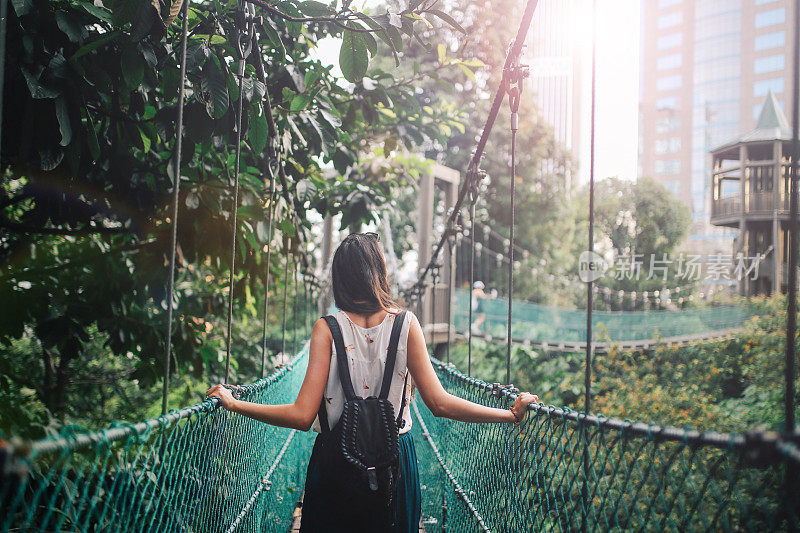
(733, 385)
(89, 122)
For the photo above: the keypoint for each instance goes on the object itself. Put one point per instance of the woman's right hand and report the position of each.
(520, 406)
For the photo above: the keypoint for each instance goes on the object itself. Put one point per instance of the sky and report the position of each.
(617, 93)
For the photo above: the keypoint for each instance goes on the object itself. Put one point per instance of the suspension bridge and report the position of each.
(201, 468)
(565, 330)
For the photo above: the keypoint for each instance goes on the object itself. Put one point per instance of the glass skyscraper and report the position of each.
(706, 69)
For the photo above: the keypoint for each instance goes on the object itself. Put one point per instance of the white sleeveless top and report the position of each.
(366, 350)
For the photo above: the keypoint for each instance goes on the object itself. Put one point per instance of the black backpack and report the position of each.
(360, 459)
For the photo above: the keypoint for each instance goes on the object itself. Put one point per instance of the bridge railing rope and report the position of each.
(639, 476)
(196, 469)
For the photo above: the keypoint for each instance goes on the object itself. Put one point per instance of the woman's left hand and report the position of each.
(224, 394)
(520, 406)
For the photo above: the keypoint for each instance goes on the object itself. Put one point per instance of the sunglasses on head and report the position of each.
(370, 234)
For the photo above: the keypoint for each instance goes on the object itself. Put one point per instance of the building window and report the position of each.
(673, 186)
(670, 41)
(760, 88)
(761, 2)
(769, 64)
(768, 18)
(668, 21)
(668, 166)
(668, 3)
(670, 61)
(668, 83)
(667, 146)
(770, 40)
(668, 103)
(666, 124)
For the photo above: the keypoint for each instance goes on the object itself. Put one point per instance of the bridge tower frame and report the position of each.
(447, 180)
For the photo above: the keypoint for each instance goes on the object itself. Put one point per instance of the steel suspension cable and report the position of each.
(270, 239)
(435, 279)
(274, 166)
(794, 243)
(3, 33)
(516, 74)
(451, 278)
(473, 168)
(294, 311)
(473, 199)
(174, 209)
(285, 296)
(244, 44)
(587, 401)
(790, 482)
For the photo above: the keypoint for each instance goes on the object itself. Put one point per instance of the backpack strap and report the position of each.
(391, 355)
(323, 416)
(341, 358)
(400, 422)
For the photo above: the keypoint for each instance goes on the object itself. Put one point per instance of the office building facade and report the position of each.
(707, 67)
(558, 65)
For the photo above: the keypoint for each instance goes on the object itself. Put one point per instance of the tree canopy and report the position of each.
(89, 122)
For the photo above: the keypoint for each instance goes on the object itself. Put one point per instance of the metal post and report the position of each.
(175, 198)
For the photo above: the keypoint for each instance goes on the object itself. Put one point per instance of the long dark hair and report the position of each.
(359, 276)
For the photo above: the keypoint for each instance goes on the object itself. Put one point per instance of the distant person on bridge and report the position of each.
(343, 491)
(478, 306)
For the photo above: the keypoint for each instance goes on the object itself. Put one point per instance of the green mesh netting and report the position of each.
(496, 477)
(201, 469)
(197, 469)
(540, 323)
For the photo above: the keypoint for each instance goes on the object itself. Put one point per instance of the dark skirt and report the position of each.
(317, 507)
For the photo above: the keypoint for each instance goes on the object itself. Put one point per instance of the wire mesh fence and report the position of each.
(563, 471)
(197, 469)
(545, 324)
(203, 469)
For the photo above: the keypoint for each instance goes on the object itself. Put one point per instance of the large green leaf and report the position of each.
(315, 9)
(62, 114)
(70, 25)
(132, 66)
(448, 19)
(98, 12)
(123, 11)
(215, 84)
(300, 102)
(259, 131)
(37, 89)
(22, 7)
(353, 56)
(274, 38)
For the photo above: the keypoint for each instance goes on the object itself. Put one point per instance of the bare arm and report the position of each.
(300, 414)
(442, 403)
